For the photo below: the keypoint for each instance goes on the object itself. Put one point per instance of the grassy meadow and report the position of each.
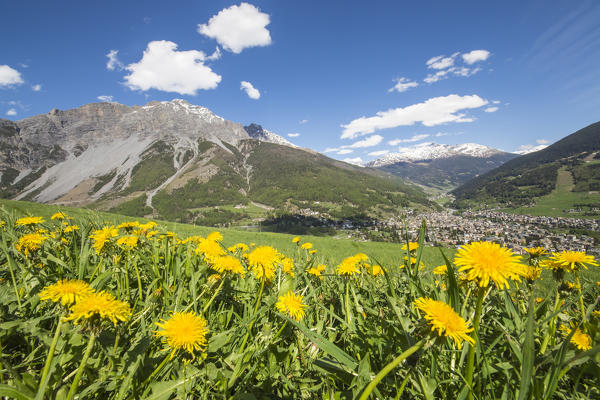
(560, 200)
(99, 306)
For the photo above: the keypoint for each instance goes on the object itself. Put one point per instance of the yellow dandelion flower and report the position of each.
(571, 260)
(571, 285)
(287, 265)
(296, 239)
(71, 228)
(263, 261)
(59, 216)
(66, 291)
(485, 261)
(184, 331)
(307, 246)
(314, 271)
(291, 304)
(312, 252)
(212, 278)
(128, 242)
(440, 270)
(128, 225)
(228, 264)
(412, 246)
(535, 251)
(376, 270)
(349, 267)
(239, 246)
(596, 313)
(27, 221)
(209, 249)
(101, 236)
(538, 300)
(532, 273)
(445, 320)
(581, 340)
(30, 242)
(215, 236)
(102, 305)
(147, 226)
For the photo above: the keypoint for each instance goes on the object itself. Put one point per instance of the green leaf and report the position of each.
(325, 345)
(528, 350)
(13, 393)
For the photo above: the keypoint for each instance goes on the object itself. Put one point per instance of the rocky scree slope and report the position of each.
(170, 159)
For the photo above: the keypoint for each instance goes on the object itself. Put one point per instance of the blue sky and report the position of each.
(355, 79)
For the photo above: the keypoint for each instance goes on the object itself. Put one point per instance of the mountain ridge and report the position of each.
(524, 179)
(441, 166)
(144, 159)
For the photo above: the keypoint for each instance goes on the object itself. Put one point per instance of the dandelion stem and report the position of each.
(581, 306)
(348, 316)
(388, 368)
(551, 327)
(46, 369)
(214, 295)
(86, 355)
(471, 354)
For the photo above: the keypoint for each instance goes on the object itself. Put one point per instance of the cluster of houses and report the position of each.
(510, 230)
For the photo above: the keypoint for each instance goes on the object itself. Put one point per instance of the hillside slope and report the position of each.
(524, 180)
(178, 161)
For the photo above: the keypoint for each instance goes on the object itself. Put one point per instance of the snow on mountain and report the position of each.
(258, 132)
(526, 149)
(431, 151)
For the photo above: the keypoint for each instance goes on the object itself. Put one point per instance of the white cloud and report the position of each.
(475, 56)
(440, 134)
(368, 142)
(238, 27)
(542, 141)
(529, 148)
(432, 112)
(356, 161)
(106, 99)
(164, 68)
(303, 121)
(441, 62)
(431, 78)
(379, 153)
(496, 101)
(9, 76)
(250, 90)
(11, 112)
(113, 61)
(36, 88)
(345, 151)
(414, 138)
(215, 55)
(293, 134)
(491, 109)
(403, 84)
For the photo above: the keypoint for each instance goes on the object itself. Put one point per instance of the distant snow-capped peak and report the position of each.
(430, 151)
(258, 132)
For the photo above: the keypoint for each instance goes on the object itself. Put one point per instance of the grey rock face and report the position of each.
(69, 147)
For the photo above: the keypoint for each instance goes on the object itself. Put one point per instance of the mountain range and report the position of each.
(569, 168)
(177, 161)
(441, 166)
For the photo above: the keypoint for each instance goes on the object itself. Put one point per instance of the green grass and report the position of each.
(560, 200)
(331, 249)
